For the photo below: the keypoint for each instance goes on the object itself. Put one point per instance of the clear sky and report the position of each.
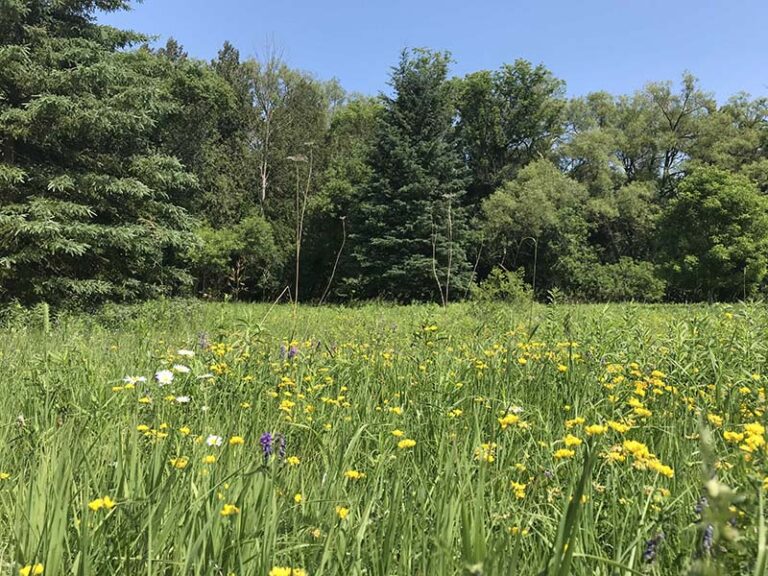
(614, 45)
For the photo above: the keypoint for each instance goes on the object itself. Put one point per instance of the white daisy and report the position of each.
(182, 399)
(164, 377)
(185, 353)
(214, 440)
(181, 369)
(134, 379)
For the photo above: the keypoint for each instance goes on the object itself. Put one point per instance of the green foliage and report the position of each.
(507, 119)
(241, 261)
(620, 281)
(537, 221)
(87, 212)
(408, 228)
(502, 286)
(715, 237)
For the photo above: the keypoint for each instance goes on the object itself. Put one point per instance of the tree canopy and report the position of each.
(131, 171)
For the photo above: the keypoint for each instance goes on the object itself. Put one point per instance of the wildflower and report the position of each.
(398, 433)
(181, 369)
(563, 453)
(236, 441)
(396, 410)
(293, 460)
(164, 377)
(354, 474)
(735, 437)
(571, 440)
(651, 546)
(578, 421)
(209, 459)
(298, 498)
(754, 429)
(104, 502)
(508, 420)
(180, 462)
(522, 361)
(145, 400)
(518, 489)
(406, 443)
(455, 413)
(214, 440)
(596, 429)
(133, 380)
(185, 430)
(342, 512)
(486, 452)
(643, 412)
(31, 570)
(660, 468)
(287, 571)
(4, 476)
(618, 427)
(715, 420)
(229, 510)
(185, 353)
(182, 399)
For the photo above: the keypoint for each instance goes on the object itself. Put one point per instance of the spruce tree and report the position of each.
(88, 203)
(409, 229)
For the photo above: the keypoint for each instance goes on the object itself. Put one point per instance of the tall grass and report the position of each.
(488, 394)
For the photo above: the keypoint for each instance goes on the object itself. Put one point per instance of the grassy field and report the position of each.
(217, 439)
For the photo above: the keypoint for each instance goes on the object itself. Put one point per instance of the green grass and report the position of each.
(72, 433)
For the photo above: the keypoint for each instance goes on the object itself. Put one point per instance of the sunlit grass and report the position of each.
(384, 440)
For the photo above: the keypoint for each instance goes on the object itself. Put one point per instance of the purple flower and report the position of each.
(708, 539)
(266, 445)
(292, 352)
(651, 547)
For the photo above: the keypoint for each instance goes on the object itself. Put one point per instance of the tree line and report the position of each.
(130, 172)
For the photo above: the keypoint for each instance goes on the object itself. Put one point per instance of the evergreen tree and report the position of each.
(86, 198)
(409, 229)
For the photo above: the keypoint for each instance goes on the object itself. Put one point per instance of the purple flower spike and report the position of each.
(266, 445)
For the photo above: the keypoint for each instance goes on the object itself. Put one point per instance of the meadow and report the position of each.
(193, 438)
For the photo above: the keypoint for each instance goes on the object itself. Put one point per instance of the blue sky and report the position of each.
(614, 45)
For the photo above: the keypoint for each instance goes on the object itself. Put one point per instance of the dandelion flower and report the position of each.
(104, 502)
(596, 429)
(508, 420)
(354, 474)
(293, 460)
(287, 571)
(406, 443)
(563, 453)
(31, 570)
(180, 462)
(229, 510)
(342, 512)
(298, 498)
(236, 441)
(398, 433)
(571, 440)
